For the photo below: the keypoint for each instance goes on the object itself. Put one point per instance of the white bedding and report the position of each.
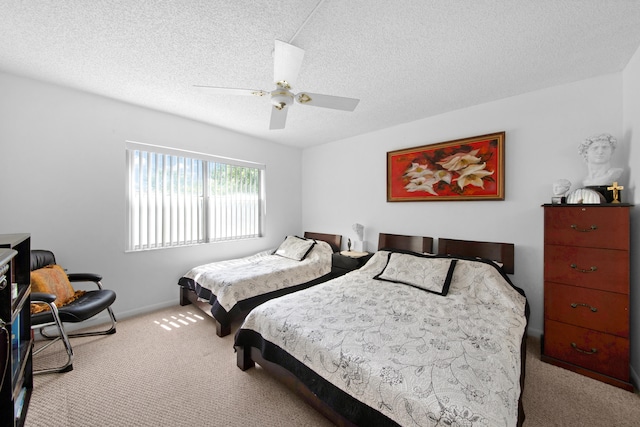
(242, 278)
(416, 357)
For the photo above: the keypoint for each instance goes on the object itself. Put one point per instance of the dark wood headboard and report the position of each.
(409, 243)
(334, 240)
(501, 252)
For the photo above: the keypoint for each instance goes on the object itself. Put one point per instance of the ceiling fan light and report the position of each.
(281, 98)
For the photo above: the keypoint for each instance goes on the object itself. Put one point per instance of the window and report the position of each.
(178, 198)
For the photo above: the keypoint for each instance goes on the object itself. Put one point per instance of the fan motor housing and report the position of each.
(280, 98)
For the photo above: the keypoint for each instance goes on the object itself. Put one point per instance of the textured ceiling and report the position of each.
(404, 59)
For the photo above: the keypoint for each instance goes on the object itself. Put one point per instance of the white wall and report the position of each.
(631, 131)
(63, 181)
(345, 181)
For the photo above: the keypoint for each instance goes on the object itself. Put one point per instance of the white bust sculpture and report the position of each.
(560, 187)
(596, 152)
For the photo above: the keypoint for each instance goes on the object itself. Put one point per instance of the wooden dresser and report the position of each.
(586, 290)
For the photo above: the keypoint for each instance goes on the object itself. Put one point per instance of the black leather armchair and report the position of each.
(83, 308)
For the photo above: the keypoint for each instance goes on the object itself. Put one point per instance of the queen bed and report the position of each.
(408, 339)
(227, 290)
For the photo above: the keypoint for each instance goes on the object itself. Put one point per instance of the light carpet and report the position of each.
(152, 373)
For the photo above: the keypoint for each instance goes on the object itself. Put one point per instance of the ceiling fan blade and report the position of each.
(287, 60)
(327, 101)
(278, 118)
(231, 91)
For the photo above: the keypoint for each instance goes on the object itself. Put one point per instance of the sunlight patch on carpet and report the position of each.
(177, 320)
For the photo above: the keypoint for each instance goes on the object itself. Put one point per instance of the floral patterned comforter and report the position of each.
(412, 357)
(239, 279)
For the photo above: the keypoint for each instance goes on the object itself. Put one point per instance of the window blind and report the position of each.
(178, 198)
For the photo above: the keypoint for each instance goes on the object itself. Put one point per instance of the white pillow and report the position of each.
(295, 247)
(431, 274)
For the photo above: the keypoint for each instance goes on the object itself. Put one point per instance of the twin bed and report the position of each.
(227, 290)
(408, 339)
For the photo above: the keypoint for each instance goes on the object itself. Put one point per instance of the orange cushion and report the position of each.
(53, 280)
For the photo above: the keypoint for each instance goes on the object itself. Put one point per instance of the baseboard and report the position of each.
(634, 378)
(146, 309)
(535, 333)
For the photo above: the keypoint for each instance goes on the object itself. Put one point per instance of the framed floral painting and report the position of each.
(464, 169)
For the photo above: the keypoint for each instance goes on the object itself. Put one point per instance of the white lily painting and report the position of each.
(472, 169)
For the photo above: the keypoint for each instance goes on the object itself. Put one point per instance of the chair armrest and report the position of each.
(42, 297)
(84, 277)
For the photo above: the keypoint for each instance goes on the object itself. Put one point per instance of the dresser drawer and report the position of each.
(602, 311)
(587, 226)
(597, 351)
(603, 269)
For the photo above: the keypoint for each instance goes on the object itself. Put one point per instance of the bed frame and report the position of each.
(223, 322)
(501, 252)
(417, 244)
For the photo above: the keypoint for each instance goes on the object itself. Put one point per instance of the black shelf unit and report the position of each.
(15, 314)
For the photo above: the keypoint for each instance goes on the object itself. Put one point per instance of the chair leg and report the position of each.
(109, 331)
(68, 365)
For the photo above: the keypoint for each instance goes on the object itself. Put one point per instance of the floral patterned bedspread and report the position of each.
(242, 278)
(419, 358)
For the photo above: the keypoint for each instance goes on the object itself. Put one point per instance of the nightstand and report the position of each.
(346, 261)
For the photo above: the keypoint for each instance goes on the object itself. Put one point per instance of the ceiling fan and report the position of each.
(287, 60)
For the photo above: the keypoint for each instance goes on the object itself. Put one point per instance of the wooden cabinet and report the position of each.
(586, 290)
(15, 316)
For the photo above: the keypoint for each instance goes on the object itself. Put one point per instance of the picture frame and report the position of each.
(462, 169)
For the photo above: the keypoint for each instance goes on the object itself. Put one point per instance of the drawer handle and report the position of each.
(584, 230)
(581, 270)
(575, 347)
(576, 305)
